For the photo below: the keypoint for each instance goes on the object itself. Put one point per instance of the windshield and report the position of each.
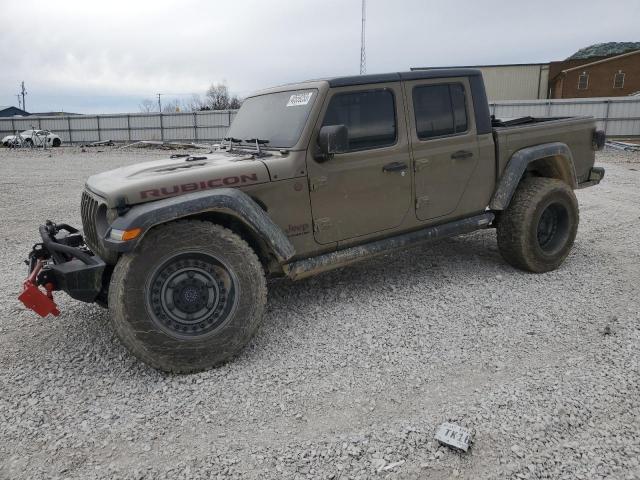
(276, 117)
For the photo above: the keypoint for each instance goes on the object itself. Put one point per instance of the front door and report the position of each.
(444, 144)
(368, 188)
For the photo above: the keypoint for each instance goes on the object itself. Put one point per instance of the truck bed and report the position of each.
(576, 132)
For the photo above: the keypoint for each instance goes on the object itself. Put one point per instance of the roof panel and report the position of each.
(397, 76)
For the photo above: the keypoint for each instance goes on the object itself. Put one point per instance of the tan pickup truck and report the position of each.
(311, 176)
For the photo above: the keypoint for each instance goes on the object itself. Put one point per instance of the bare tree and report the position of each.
(217, 97)
(171, 106)
(235, 103)
(147, 106)
(194, 104)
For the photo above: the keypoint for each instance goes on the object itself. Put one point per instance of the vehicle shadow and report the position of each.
(466, 254)
(84, 333)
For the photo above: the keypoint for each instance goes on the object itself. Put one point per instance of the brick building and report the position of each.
(609, 76)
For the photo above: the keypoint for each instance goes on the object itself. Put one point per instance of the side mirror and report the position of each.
(332, 139)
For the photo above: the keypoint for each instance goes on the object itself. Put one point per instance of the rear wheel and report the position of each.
(189, 298)
(537, 230)
(28, 142)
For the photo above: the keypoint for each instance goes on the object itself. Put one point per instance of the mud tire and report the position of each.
(536, 232)
(136, 275)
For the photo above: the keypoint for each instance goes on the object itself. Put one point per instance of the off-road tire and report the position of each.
(56, 142)
(537, 230)
(132, 302)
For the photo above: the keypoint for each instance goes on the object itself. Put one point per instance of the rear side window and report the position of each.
(440, 110)
(370, 117)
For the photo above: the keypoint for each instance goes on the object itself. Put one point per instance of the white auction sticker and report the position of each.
(298, 99)
(454, 436)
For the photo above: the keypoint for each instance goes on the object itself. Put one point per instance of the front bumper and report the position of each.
(61, 262)
(596, 174)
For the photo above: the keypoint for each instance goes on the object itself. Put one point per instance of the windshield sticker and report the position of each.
(298, 99)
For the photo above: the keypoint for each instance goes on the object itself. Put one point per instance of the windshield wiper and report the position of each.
(257, 142)
(230, 141)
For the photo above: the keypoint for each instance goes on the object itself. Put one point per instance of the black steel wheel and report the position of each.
(537, 230)
(553, 227)
(191, 294)
(189, 297)
(56, 142)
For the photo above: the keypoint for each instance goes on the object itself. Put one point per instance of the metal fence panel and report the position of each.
(145, 121)
(619, 116)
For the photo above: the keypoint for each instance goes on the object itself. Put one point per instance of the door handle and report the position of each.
(460, 154)
(394, 167)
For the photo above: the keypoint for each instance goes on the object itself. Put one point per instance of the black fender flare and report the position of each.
(230, 201)
(520, 160)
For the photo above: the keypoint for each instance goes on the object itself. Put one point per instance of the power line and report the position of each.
(363, 55)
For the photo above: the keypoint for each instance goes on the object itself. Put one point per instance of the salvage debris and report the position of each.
(165, 145)
(454, 436)
(626, 146)
(102, 143)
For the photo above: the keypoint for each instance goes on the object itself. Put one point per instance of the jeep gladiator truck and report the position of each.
(311, 176)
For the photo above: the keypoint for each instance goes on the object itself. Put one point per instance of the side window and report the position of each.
(440, 110)
(618, 79)
(370, 117)
(583, 81)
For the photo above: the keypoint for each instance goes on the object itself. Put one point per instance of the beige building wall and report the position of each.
(513, 82)
(516, 82)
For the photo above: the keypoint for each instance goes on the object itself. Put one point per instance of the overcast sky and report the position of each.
(106, 56)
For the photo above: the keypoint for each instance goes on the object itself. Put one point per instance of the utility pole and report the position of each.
(363, 55)
(159, 103)
(19, 100)
(23, 92)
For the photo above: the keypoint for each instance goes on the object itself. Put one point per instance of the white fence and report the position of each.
(617, 116)
(192, 127)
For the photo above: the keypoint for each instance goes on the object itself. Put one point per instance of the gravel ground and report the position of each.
(352, 371)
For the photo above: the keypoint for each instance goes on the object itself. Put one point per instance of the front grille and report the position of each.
(88, 209)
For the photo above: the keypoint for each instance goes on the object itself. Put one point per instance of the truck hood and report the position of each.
(148, 181)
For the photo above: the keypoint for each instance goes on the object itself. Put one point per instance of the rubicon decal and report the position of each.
(202, 185)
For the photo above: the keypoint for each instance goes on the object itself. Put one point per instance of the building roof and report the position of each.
(604, 50)
(603, 60)
(54, 114)
(14, 111)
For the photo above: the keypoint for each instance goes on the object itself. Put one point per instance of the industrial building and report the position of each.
(603, 70)
(10, 111)
(518, 81)
(610, 76)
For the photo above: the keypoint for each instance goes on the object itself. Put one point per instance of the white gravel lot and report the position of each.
(351, 372)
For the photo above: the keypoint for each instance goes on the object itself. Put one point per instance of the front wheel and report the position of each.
(189, 298)
(537, 230)
(56, 142)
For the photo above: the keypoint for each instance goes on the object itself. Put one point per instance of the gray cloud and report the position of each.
(107, 56)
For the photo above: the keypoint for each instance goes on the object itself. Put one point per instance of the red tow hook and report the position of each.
(32, 297)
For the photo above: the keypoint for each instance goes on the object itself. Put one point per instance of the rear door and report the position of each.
(368, 188)
(443, 141)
